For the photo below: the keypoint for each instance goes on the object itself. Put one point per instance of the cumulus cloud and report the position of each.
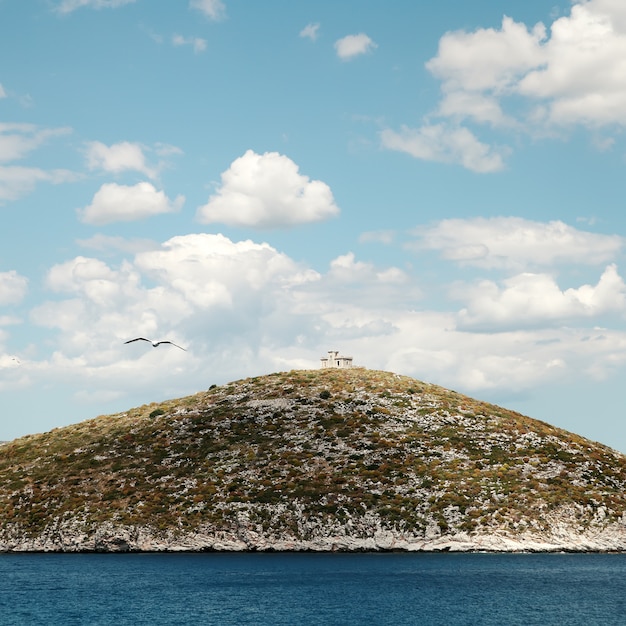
(583, 65)
(267, 191)
(573, 75)
(515, 243)
(310, 31)
(118, 157)
(67, 6)
(123, 203)
(532, 79)
(13, 287)
(479, 107)
(191, 274)
(352, 46)
(528, 299)
(242, 307)
(213, 9)
(488, 59)
(70, 276)
(209, 270)
(202, 287)
(197, 43)
(445, 144)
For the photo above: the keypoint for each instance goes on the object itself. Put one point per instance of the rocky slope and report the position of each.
(312, 460)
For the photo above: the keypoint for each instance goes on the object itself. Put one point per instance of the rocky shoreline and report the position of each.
(108, 537)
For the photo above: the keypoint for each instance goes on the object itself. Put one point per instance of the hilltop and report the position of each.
(327, 459)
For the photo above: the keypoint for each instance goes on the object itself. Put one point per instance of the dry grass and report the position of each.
(305, 447)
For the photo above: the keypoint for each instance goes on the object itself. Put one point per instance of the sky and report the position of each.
(434, 189)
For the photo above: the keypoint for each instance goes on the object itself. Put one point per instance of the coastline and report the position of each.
(110, 538)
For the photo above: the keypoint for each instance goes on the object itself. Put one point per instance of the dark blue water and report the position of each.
(329, 589)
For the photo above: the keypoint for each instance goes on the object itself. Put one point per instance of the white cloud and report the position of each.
(584, 66)
(267, 191)
(206, 291)
(213, 9)
(517, 243)
(487, 59)
(3, 93)
(352, 293)
(537, 80)
(242, 308)
(427, 346)
(18, 140)
(71, 276)
(310, 31)
(197, 43)
(122, 203)
(210, 270)
(574, 75)
(13, 287)
(118, 157)
(17, 181)
(445, 144)
(346, 269)
(531, 299)
(67, 6)
(351, 46)
(480, 108)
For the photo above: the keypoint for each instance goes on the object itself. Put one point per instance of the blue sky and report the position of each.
(434, 189)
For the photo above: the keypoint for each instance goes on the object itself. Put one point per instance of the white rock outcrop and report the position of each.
(558, 536)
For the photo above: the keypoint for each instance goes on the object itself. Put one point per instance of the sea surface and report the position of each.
(304, 588)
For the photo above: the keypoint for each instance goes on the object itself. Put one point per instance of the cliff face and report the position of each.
(313, 460)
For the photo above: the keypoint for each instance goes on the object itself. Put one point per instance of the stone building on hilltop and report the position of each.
(334, 360)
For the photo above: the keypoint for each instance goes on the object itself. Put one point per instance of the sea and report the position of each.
(313, 588)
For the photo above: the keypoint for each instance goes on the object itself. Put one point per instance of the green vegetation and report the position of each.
(308, 449)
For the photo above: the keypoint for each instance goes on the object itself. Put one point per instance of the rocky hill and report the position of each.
(329, 459)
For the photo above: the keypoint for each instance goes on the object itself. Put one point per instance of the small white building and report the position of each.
(334, 360)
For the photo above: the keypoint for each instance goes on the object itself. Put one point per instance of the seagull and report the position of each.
(154, 343)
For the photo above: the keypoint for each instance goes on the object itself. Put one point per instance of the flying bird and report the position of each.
(154, 343)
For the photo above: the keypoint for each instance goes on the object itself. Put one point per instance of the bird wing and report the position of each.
(138, 339)
(171, 342)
